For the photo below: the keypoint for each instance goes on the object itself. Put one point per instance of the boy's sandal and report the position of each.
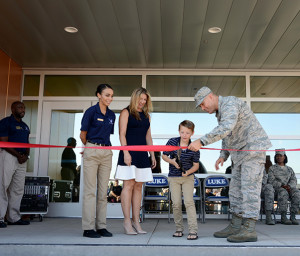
(178, 234)
(192, 236)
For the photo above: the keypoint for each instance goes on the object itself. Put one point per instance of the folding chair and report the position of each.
(198, 195)
(213, 182)
(156, 196)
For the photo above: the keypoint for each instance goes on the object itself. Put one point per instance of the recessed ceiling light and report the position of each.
(71, 29)
(214, 30)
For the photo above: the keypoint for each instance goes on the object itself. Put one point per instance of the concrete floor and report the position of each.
(63, 236)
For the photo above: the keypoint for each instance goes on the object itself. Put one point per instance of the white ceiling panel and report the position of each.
(281, 23)
(256, 34)
(233, 32)
(254, 30)
(192, 29)
(216, 16)
(150, 23)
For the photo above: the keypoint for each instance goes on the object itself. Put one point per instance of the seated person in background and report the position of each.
(157, 168)
(209, 192)
(225, 191)
(264, 187)
(284, 181)
(267, 189)
(268, 163)
(68, 161)
(77, 177)
(201, 169)
(115, 193)
(229, 169)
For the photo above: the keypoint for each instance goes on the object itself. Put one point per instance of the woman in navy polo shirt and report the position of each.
(96, 126)
(134, 167)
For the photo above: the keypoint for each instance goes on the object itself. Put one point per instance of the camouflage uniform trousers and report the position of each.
(245, 187)
(282, 197)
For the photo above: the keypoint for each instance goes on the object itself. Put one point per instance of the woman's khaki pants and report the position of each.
(96, 171)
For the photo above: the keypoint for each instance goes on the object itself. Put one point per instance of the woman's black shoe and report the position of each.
(104, 232)
(91, 233)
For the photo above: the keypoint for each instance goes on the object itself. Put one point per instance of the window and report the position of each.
(81, 85)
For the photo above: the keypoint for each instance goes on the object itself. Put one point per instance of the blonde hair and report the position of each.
(135, 97)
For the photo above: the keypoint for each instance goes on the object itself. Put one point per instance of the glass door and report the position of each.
(61, 126)
(61, 122)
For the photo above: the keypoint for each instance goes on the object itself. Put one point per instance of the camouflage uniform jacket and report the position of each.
(278, 176)
(238, 128)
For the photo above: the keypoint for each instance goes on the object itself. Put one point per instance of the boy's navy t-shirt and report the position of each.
(187, 158)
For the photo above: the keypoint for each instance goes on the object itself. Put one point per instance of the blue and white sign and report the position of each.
(158, 181)
(217, 181)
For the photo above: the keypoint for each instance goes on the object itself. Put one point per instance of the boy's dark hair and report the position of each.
(188, 124)
(101, 87)
(285, 159)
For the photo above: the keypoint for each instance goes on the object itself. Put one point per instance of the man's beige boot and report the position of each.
(293, 219)
(246, 234)
(284, 219)
(233, 228)
(269, 220)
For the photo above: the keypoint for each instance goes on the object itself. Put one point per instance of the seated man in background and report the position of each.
(115, 193)
(284, 181)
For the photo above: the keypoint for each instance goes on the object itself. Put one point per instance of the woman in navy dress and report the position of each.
(134, 167)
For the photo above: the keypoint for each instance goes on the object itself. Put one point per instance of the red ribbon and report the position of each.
(129, 148)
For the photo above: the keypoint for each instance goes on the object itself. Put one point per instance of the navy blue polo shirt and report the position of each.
(187, 158)
(15, 131)
(99, 127)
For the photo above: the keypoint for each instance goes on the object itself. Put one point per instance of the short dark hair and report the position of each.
(101, 87)
(14, 104)
(188, 124)
(71, 140)
(285, 159)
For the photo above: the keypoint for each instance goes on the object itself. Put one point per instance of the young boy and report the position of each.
(182, 164)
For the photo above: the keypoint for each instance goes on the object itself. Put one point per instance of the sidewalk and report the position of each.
(63, 236)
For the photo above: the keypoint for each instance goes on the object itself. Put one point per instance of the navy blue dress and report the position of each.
(140, 168)
(136, 135)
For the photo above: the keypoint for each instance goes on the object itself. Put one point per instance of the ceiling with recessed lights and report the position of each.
(159, 34)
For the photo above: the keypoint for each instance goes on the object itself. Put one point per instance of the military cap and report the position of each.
(280, 151)
(201, 94)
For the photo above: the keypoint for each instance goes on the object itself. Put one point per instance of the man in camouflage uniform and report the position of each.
(239, 130)
(282, 183)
